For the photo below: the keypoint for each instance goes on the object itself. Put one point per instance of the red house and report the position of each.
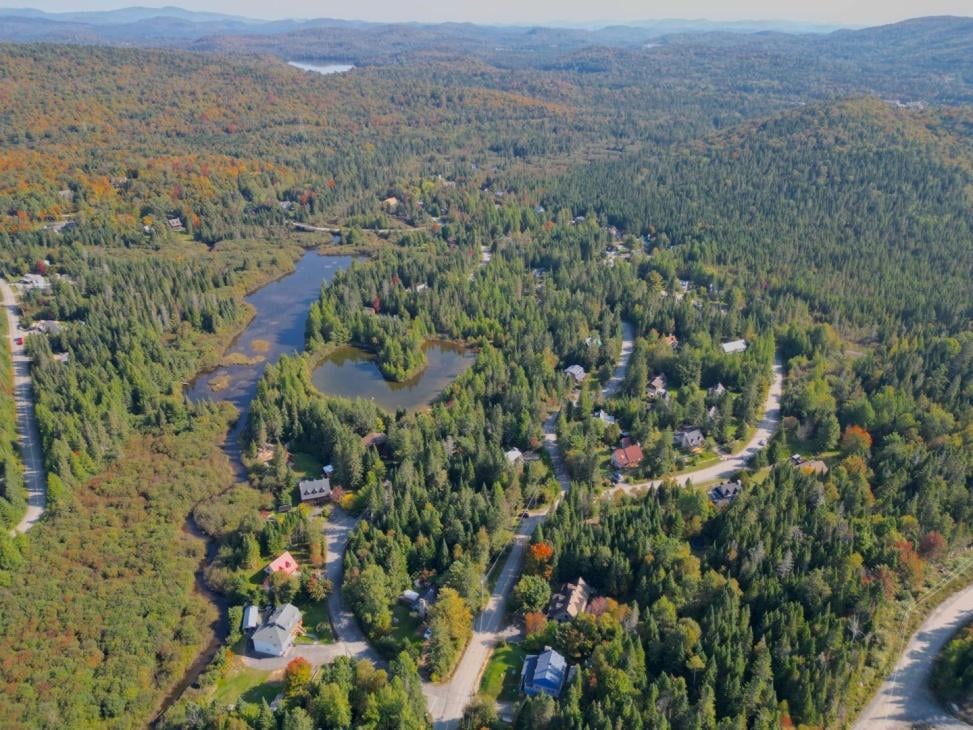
(627, 457)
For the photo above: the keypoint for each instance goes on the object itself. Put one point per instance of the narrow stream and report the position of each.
(277, 328)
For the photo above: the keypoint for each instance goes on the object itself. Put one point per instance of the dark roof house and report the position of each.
(689, 438)
(570, 601)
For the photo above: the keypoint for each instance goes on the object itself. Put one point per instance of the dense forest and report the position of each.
(531, 209)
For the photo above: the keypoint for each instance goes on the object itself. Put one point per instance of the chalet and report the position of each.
(175, 224)
(276, 636)
(576, 372)
(514, 456)
(569, 602)
(390, 203)
(543, 673)
(717, 391)
(627, 457)
(314, 489)
(251, 618)
(733, 346)
(284, 563)
(657, 386)
(724, 493)
(688, 438)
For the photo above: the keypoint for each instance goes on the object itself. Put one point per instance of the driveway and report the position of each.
(35, 478)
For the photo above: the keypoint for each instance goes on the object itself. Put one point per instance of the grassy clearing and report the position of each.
(241, 683)
(501, 678)
(305, 465)
(317, 624)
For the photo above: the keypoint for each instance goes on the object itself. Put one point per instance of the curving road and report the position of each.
(447, 701)
(35, 478)
(737, 461)
(905, 700)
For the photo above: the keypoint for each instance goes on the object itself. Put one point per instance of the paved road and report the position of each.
(35, 478)
(621, 367)
(447, 701)
(904, 700)
(734, 463)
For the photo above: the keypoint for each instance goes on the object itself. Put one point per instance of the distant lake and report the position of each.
(353, 373)
(322, 68)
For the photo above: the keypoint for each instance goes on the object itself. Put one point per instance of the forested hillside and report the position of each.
(714, 204)
(853, 208)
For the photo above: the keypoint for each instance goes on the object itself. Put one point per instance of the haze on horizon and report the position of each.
(832, 12)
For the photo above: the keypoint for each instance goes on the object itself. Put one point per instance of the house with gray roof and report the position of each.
(276, 636)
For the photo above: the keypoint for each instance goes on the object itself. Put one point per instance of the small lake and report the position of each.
(353, 373)
(322, 68)
(276, 329)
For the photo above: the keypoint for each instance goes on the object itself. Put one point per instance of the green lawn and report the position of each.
(305, 465)
(501, 678)
(406, 628)
(315, 616)
(246, 684)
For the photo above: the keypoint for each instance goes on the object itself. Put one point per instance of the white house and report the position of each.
(276, 637)
(734, 346)
(576, 372)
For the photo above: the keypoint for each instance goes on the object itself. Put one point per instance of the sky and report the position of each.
(836, 12)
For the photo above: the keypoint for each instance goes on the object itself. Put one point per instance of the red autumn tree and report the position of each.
(933, 545)
(856, 440)
(297, 676)
(539, 558)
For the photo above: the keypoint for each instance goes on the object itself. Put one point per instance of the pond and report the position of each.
(322, 68)
(353, 373)
(277, 328)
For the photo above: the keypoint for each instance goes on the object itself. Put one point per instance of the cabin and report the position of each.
(284, 563)
(672, 341)
(657, 386)
(175, 224)
(717, 391)
(276, 636)
(733, 346)
(689, 438)
(627, 457)
(576, 372)
(544, 673)
(569, 602)
(313, 490)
